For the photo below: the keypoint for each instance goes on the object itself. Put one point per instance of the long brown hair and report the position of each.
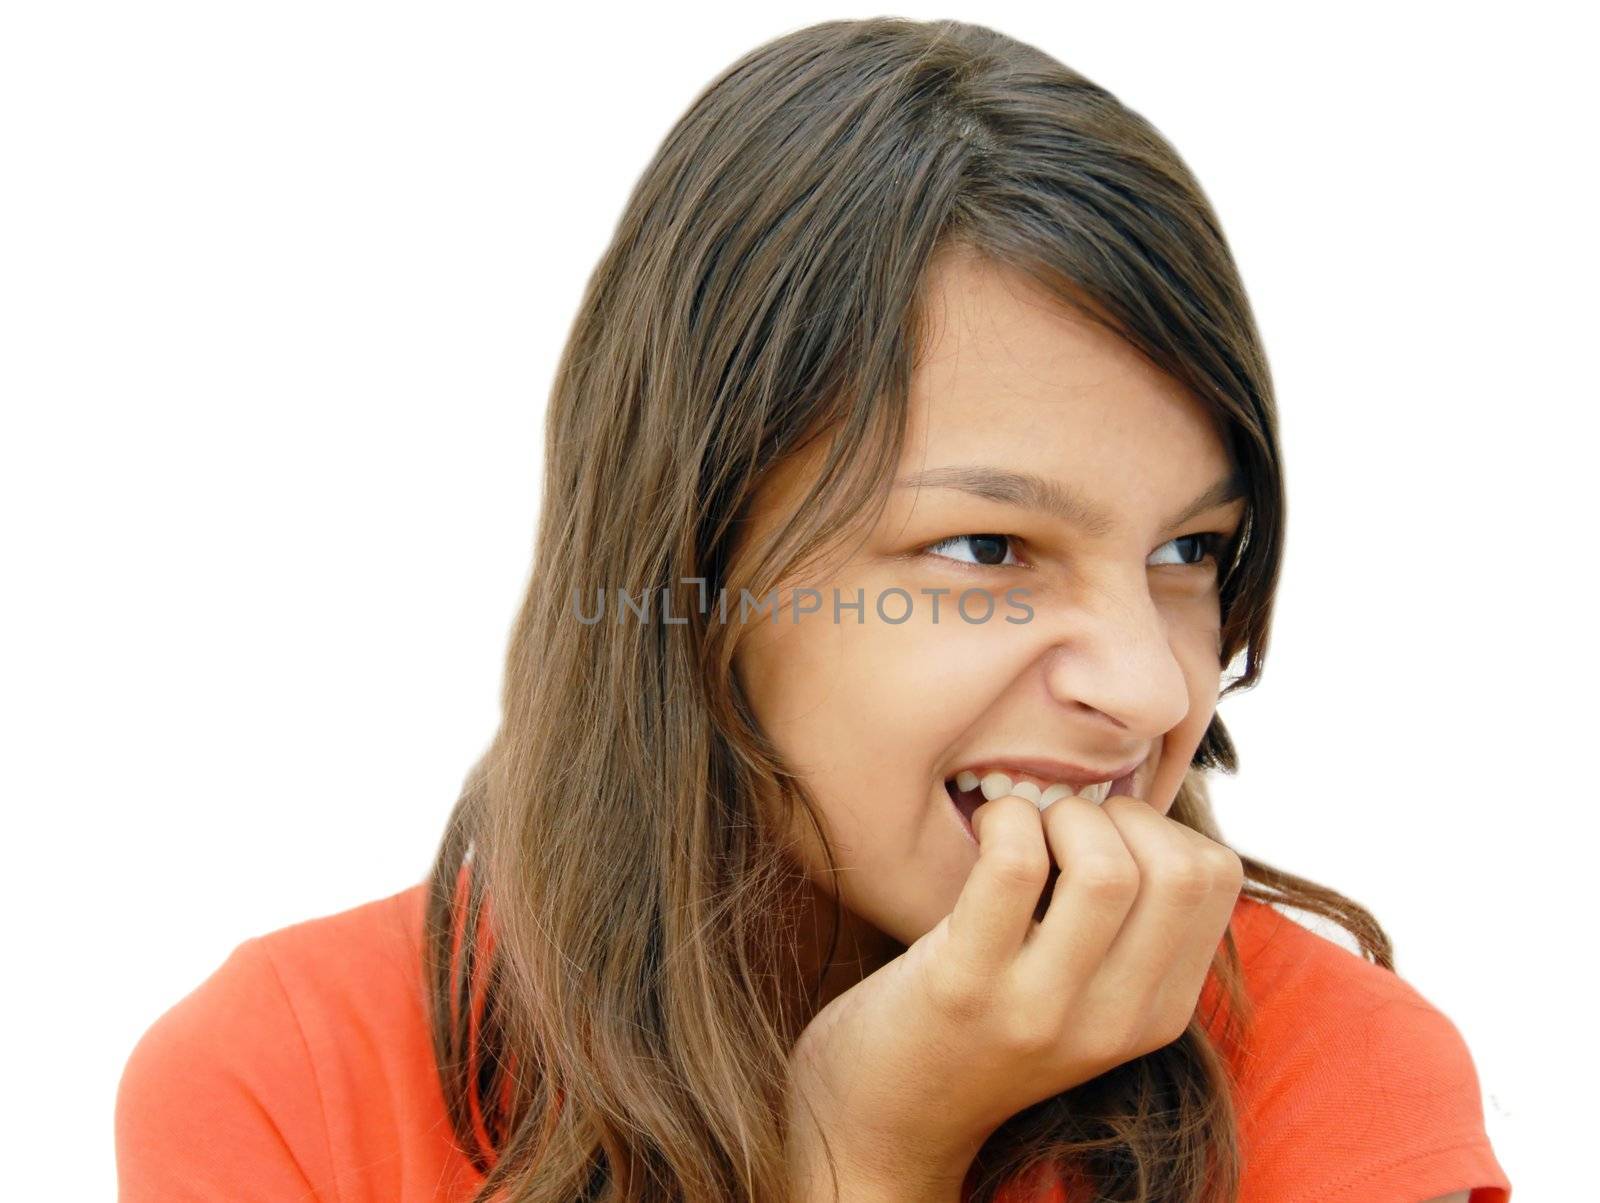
(619, 1031)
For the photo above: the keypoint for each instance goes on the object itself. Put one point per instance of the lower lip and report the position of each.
(1122, 785)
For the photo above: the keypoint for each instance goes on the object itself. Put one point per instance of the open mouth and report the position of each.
(965, 800)
(966, 792)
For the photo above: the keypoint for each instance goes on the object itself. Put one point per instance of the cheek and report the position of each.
(1197, 653)
(866, 713)
(852, 697)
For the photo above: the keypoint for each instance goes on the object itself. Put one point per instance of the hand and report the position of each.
(991, 1011)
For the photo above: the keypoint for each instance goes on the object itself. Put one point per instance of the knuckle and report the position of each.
(1227, 868)
(1186, 877)
(1021, 866)
(1121, 1038)
(958, 993)
(1111, 879)
(1034, 1033)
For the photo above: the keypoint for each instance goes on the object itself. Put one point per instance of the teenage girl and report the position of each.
(912, 485)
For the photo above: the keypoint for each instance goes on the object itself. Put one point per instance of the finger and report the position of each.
(1166, 944)
(1089, 904)
(1199, 953)
(995, 910)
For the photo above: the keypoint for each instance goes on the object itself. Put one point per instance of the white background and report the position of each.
(282, 288)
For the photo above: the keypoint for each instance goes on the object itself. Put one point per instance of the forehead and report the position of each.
(1009, 375)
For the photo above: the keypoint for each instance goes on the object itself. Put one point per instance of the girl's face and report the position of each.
(1067, 465)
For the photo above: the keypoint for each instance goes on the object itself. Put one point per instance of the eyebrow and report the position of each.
(1029, 491)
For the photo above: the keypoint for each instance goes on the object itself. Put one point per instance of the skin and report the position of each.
(1120, 659)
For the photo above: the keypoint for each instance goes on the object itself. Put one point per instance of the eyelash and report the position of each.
(1211, 543)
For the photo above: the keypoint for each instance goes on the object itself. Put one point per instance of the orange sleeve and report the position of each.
(219, 1098)
(1362, 1092)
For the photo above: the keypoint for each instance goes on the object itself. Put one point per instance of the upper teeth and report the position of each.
(998, 785)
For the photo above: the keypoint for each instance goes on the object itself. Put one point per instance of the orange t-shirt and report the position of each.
(301, 1069)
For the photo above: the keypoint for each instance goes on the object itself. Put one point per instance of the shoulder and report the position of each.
(1352, 1084)
(1311, 993)
(358, 965)
(306, 1052)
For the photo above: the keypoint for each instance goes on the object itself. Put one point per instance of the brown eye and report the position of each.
(1194, 549)
(986, 551)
